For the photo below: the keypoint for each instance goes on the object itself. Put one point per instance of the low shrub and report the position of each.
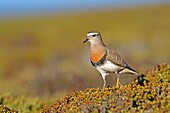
(4, 109)
(22, 104)
(150, 92)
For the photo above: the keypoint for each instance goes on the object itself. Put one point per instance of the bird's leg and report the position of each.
(104, 80)
(118, 80)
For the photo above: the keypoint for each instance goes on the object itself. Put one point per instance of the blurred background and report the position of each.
(41, 49)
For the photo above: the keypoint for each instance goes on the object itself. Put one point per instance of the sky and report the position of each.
(10, 8)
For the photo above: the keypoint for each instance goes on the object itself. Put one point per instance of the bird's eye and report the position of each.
(94, 35)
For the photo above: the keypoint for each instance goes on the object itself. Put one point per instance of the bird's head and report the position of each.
(93, 37)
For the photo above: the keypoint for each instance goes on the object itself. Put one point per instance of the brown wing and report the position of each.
(115, 58)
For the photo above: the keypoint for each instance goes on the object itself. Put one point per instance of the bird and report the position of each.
(106, 60)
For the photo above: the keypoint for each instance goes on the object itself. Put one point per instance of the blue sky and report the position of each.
(28, 7)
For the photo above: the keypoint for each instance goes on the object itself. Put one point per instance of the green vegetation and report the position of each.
(42, 59)
(36, 51)
(4, 109)
(20, 104)
(149, 93)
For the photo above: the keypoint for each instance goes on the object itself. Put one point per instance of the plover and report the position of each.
(106, 60)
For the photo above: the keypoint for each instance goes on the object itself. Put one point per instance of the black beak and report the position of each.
(85, 40)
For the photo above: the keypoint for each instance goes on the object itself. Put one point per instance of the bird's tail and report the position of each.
(128, 70)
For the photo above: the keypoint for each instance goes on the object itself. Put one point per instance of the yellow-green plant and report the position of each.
(148, 93)
(21, 104)
(4, 109)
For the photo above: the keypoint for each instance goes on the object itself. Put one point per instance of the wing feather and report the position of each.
(115, 58)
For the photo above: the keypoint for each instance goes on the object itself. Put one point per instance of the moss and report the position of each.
(150, 92)
(4, 109)
(20, 104)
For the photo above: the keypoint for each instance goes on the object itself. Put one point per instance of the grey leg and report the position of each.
(104, 79)
(118, 80)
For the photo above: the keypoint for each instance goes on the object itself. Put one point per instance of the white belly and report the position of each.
(108, 67)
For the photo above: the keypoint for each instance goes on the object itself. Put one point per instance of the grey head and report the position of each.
(93, 37)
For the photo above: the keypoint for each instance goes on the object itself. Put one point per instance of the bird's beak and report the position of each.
(85, 40)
